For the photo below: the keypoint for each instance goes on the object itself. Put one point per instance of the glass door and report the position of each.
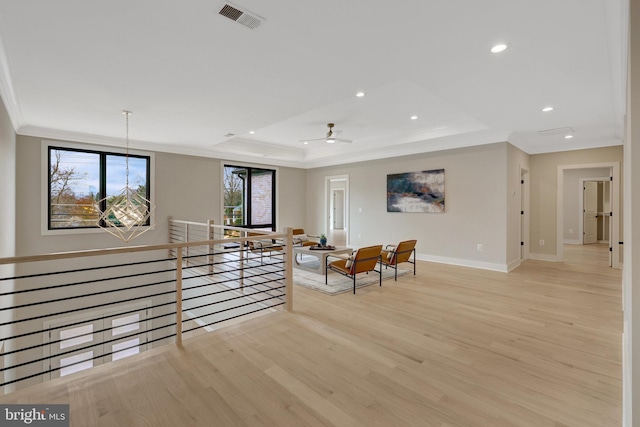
(249, 197)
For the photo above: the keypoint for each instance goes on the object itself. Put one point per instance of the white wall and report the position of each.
(8, 188)
(7, 215)
(292, 206)
(631, 268)
(475, 205)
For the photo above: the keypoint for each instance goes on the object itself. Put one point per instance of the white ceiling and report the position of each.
(190, 76)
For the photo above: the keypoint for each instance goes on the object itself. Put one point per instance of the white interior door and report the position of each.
(590, 212)
(338, 210)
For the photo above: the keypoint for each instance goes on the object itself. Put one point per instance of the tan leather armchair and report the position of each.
(300, 238)
(263, 246)
(392, 255)
(363, 260)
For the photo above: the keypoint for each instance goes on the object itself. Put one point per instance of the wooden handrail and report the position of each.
(125, 250)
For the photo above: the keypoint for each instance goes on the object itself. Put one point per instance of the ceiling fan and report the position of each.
(330, 138)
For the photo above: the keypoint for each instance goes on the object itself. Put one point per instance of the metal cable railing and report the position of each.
(57, 317)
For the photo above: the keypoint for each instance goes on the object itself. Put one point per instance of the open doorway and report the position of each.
(588, 208)
(337, 209)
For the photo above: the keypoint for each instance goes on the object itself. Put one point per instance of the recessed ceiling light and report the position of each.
(568, 136)
(414, 117)
(499, 48)
(252, 132)
(305, 142)
(547, 109)
(360, 94)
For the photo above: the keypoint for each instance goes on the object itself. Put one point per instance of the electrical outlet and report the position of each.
(360, 210)
(359, 235)
(571, 231)
(479, 247)
(541, 242)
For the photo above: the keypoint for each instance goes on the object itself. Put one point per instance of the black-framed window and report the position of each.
(82, 182)
(250, 197)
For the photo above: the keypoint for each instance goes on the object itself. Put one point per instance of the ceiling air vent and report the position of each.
(250, 20)
(229, 135)
(558, 131)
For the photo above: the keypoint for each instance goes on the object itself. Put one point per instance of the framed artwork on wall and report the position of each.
(417, 192)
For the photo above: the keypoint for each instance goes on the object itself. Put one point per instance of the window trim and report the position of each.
(100, 149)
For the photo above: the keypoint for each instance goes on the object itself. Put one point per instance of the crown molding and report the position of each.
(436, 144)
(86, 138)
(425, 146)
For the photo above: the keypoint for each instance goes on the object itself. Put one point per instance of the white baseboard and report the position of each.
(627, 385)
(571, 242)
(514, 264)
(544, 257)
(463, 262)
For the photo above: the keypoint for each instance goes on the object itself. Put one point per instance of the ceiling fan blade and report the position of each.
(314, 139)
(330, 138)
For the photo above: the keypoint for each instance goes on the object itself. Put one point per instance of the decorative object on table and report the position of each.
(323, 240)
(128, 214)
(416, 192)
(322, 248)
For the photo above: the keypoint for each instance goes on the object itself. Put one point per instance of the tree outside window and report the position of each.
(79, 178)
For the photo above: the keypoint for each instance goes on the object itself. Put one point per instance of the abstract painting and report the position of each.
(416, 191)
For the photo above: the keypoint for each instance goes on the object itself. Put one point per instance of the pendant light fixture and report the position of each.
(126, 214)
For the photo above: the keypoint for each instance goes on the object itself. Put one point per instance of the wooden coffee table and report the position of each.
(321, 256)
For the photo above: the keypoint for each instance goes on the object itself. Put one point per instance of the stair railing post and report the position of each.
(288, 274)
(179, 298)
(210, 236)
(170, 222)
(243, 245)
(186, 239)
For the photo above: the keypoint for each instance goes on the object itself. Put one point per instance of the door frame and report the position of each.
(276, 190)
(581, 206)
(524, 217)
(328, 191)
(615, 209)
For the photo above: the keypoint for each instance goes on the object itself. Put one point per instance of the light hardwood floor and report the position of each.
(540, 346)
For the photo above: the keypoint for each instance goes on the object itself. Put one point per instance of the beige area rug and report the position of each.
(338, 283)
